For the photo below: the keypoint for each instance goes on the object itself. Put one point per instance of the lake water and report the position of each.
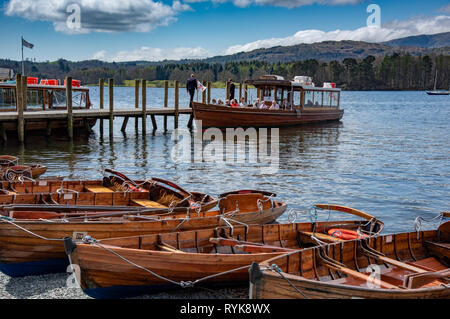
(389, 156)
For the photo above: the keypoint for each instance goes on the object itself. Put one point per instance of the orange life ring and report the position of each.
(345, 234)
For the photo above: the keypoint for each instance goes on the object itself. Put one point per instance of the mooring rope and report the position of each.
(11, 221)
(280, 272)
(418, 222)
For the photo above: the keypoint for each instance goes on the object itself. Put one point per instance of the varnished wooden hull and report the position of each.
(226, 117)
(33, 171)
(308, 274)
(103, 274)
(87, 193)
(34, 125)
(19, 248)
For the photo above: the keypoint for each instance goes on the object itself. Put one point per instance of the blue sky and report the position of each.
(145, 29)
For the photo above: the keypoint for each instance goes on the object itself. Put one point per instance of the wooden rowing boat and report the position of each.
(189, 256)
(10, 170)
(399, 266)
(23, 253)
(112, 190)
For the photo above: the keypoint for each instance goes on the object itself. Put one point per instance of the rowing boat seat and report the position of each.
(98, 189)
(148, 203)
(430, 263)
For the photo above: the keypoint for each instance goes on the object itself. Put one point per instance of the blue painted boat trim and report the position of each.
(117, 292)
(35, 268)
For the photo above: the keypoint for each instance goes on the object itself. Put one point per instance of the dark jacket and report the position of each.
(232, 90)
(191, 85)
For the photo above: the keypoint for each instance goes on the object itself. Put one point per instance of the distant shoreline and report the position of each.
(160, 84)
(222, 85)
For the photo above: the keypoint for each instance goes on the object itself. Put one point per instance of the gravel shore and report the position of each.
(54, 287)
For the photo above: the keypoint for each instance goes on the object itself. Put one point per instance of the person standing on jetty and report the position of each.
(232, 89)
(191, 86)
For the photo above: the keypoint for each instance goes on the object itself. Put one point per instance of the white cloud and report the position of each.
(99, 15)
(153, 54)
(389, 31)
(445, 9)
(279, 3)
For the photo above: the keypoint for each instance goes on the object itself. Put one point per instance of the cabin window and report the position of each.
(309, 99)
(327, 99)
(34, 99)
(267, 92)
(279, 96)
(7, 98)
(78, 99)
(318, 98)
(297, 99)
(58, 98)
(334, 99)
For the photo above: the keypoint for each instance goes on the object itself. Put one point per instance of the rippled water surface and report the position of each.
(389, 156)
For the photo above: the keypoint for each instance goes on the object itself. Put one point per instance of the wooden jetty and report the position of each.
(21, 115)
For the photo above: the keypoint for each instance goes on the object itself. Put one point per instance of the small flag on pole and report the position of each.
(27, 44)
(200, 86)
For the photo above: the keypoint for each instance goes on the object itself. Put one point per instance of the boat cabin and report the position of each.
(298, 94)
(46, 95)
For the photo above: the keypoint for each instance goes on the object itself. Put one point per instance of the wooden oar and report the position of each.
(173, 185)
(262, 249)
(123, 176)
(335, 265)
(248, 246)
(306, 237)
(345, 209)
(248, 191)
(169, 248)
(369, 251)
(360, 276)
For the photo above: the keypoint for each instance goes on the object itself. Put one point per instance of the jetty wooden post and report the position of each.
(166, 102)
(176, 104)
(111, 107)
(101, 87)
(208, 92)
(204, 93)
(227, 92)
(20, 119)
(69, 106)
(240, 92)
(136, 102)
(144, 107)
(246, 93)
(3, 132)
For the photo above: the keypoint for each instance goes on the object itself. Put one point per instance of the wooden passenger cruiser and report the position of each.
(299, 102)
(46, 95)
(34, 245)
(190, 256)
(399, 266)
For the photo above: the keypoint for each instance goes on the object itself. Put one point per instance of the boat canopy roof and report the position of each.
(41, 86)
(279, 81)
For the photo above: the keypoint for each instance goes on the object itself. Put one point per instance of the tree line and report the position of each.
(391, 72)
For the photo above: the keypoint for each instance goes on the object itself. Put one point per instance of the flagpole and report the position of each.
(23, 70)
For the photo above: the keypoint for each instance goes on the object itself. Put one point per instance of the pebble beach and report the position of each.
(54, 286)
